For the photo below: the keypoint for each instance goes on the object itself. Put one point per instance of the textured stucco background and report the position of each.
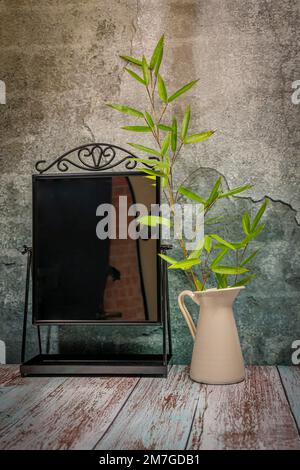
(59, 59)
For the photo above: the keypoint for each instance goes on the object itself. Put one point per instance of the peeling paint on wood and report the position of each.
(74, 414)
(158, 415)
(250, 415)
(290, 377)
(150, 413)
(8, 373)
(17, 405)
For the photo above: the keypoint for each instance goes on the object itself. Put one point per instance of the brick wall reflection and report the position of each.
(124, 296)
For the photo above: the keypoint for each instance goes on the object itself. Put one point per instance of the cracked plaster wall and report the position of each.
(60, 62)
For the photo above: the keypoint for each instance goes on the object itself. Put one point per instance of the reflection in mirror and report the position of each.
(79, 277)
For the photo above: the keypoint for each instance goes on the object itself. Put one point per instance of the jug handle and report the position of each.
(185, 312)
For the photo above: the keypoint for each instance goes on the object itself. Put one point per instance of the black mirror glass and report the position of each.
(79, 276)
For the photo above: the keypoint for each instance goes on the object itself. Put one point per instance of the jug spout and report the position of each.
(218, 297)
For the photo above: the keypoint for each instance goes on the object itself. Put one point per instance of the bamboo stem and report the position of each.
(170, 199)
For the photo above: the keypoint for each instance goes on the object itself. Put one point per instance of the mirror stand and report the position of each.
(146, 365)
(94, 157)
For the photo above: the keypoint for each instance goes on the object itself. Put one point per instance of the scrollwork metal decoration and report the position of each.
(92, 157)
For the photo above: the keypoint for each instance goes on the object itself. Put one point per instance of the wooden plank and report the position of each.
(74, 415)
(18, 401)
(9, 373)
(158, 414)
(251, 415)
(290, 377)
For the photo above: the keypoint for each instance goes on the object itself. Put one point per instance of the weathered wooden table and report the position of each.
(150, 413)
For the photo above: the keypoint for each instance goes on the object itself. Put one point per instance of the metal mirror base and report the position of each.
(142, 365)
(62, 365)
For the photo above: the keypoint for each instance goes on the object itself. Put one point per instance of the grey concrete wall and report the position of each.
(59, 59)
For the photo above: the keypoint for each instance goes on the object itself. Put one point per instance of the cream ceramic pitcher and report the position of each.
(217, 356)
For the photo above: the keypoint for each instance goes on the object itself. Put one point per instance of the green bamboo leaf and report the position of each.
(150, 177)
(157, 54)
(165, 145)
(208, 243)
(135, 76)
(246, 223)
(164, 127)
(174, 134)
(219, 257)
(153, 174)
(221, 280)
(255, 233)
(199, 285)
(234, 191)
(258, 229)
(168, 259)
(153, 220)
(149, 120)
(182, 90)
(259, 214)
(237, 245)
(185, 123)
(193, 139)
(218, 246)
(229, 269)
(132, 60)
(185, 264)
(243, 281)
(191, 195)
(144, 149)
(158, 63)
(223, 242)
(249, 258)
(159, 59)
(126, 110)
(158, 174)
(164, 182)
(214, 192)
(197, 252)
(137, 128)
(164, 164)
(162, 91)
(145, 71)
